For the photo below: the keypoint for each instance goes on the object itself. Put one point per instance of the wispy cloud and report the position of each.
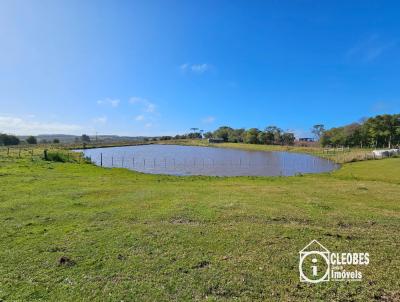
(139, 118)
(109, 102)
(195, 68)
(20, 126)
(369, 49)
(100, 120)
(148, 113)
(208, 120)
(146, 104)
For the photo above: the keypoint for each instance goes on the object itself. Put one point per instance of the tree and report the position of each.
(85, 138)
(261, 137)
(165, 138)
(236, 135)
(208, 134)
(318, 130)
(180, 136)
(288, 138)
(8, 140)
(251, 136)
(223, 132)
(273, 135)
(31, 140)
(56, 141)
(194, 135)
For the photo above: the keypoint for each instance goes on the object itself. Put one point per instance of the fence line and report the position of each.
(163, 163)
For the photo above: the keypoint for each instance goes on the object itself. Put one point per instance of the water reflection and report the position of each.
(193, 160)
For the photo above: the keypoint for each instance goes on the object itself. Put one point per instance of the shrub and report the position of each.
(57, 157)
(8, 140)
(64, 157)
(31, 140)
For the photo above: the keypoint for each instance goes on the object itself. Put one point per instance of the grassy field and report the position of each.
(77, 232)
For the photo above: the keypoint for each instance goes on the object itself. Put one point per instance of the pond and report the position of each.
(194, 160)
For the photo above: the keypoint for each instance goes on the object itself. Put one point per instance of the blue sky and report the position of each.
(162, 67)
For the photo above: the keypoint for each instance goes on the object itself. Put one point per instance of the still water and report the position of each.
(193, 160)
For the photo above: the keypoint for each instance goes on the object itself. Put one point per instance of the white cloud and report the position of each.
(150, 108)
(184, 67)
(195, 68)
(19, 126)
(208, 119)
(139, 118)
(147, 115)
(146, 104)
(108, 101)
(100, 120)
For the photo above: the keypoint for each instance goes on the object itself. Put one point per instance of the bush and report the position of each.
(8, 140)
(64, 157)
(57, 157)
(31, 140)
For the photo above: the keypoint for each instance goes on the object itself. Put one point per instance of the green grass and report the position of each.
(136, 237)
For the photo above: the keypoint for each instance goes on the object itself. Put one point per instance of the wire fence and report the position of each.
(337, 155)
(277, 166)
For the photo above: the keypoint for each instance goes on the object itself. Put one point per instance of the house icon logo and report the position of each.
(314, 265)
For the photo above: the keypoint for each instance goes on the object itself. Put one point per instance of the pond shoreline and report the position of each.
(340, 157)
(182, 160)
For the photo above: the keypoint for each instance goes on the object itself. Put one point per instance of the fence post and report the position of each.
(101, 159)
(8, 151)
(45, 154)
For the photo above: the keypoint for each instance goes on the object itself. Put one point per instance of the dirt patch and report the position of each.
(201, 264)
(66, 261)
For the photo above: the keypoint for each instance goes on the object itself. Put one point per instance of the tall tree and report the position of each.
(318, 130)
(273, 135)
(251, 136)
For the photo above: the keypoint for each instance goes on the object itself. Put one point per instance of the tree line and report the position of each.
(10, 140)
(380, 131)
(377, 132)
(271, 135)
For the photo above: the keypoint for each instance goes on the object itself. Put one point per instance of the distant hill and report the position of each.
(66, 138)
